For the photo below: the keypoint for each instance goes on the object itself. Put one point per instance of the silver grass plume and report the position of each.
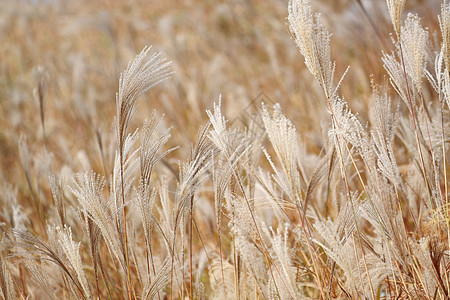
(149, 154)
(444, 23)
(150, 149)
(51, 251)
(282, 135)
(347, 129)
(436, 79)
(124, 173)
(166, 220)
(223, 171)
(219, 135)
(94, 237)
(392, 64)
(414, 45)
(125, 168)
(282, 255)
(72, 251)
(158, 282)
(446, 87)
(144, 72)
(229, 157)
(313, 40)
(249, 256)
(267, 194)
(193, 172)
(384, 126)
(395, 8)
(56, 186)
(338, 250)
(88, 188)
(246, 244)
(440, 80)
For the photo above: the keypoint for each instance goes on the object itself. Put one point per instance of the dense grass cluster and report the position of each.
(275, 190)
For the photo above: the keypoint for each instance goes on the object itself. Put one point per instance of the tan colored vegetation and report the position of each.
(216, 164)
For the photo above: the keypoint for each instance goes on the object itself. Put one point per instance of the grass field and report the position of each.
(225, 149)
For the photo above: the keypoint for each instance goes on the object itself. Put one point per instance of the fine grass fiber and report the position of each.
(251, 154)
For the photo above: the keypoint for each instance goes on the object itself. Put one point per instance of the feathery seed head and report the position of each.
(146, 71)
(72, 251)
(444, 22)
(395, 8)
(313, 40)
(414, 39)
